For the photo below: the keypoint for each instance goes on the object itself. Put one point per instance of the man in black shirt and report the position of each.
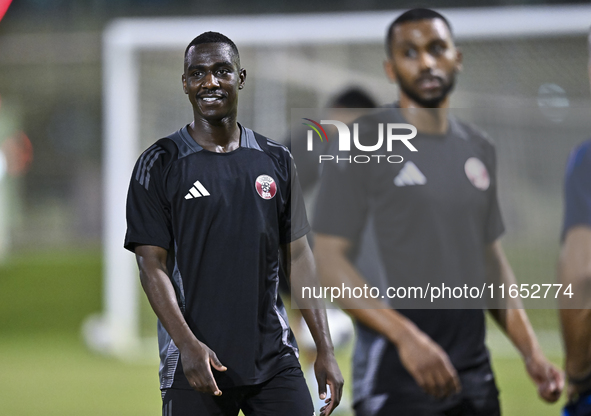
(210, 209)
(436, 218)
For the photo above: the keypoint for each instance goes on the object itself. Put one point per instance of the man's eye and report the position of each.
(437, 49)
(410, 53)
(223, 72)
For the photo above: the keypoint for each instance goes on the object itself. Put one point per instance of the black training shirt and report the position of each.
(433, 216)
(222, 218)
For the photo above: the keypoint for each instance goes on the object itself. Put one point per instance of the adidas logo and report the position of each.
(410, 175)
(197, 191)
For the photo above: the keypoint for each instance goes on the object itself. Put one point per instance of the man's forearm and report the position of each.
(513, 319)
(162, 297)
(424, 359)
(576, 330)
(516, 325)
(302, 273)
(196, 357)
(574, 268)
(335, 269)
(318, 325)
(548, 379)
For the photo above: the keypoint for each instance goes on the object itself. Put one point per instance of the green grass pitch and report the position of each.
(45, 368)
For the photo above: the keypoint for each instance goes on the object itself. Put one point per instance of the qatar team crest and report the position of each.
(266, 186)
(477, 173)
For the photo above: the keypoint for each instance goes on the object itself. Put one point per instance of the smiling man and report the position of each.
(210, 209)
(437, 219)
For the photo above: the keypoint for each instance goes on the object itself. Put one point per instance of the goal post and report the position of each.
(117, 329)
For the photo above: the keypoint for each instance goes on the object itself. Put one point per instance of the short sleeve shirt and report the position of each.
(439, 204)
(577, 188)
(433, 214)
(222, 217)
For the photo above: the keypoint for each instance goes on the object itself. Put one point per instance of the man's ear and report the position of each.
(184, 84)
(459, 60)
(242, 75)
(389, 70)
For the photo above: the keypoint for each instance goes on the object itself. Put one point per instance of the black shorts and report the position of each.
(479, 397)
(285, 394)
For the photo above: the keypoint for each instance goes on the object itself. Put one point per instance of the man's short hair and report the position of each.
(213, 37)
(411, 15)
(353, 97)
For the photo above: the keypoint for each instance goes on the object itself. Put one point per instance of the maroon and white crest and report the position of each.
(265, 186)
(477, 173)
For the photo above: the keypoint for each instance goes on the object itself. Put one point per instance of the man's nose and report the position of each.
(426, 61)
(210, 81)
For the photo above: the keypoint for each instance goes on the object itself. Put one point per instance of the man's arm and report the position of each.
(196, 357)
(574, 267)
(513, 320)
(425, 360)
(302, 273)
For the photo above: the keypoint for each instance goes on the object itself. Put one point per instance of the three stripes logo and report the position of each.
(146, 162)
(410, 175)
(197, 191)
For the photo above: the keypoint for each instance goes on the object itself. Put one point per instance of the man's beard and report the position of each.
(427, 102)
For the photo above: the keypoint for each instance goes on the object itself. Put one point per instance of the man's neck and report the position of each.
(219, 137)
(426, 120)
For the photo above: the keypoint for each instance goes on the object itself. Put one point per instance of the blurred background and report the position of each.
(74, 71)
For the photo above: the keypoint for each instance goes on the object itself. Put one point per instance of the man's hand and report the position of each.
(548, 379)
(197, 359)
(429, 365)
(426, 361)
(328, 372)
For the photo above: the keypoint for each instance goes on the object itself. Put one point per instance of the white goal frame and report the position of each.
(116, 330)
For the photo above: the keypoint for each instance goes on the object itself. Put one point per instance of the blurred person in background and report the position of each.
(210, 210)
(349, 99)
(354, 101)
(574, 269)
(436, 215)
